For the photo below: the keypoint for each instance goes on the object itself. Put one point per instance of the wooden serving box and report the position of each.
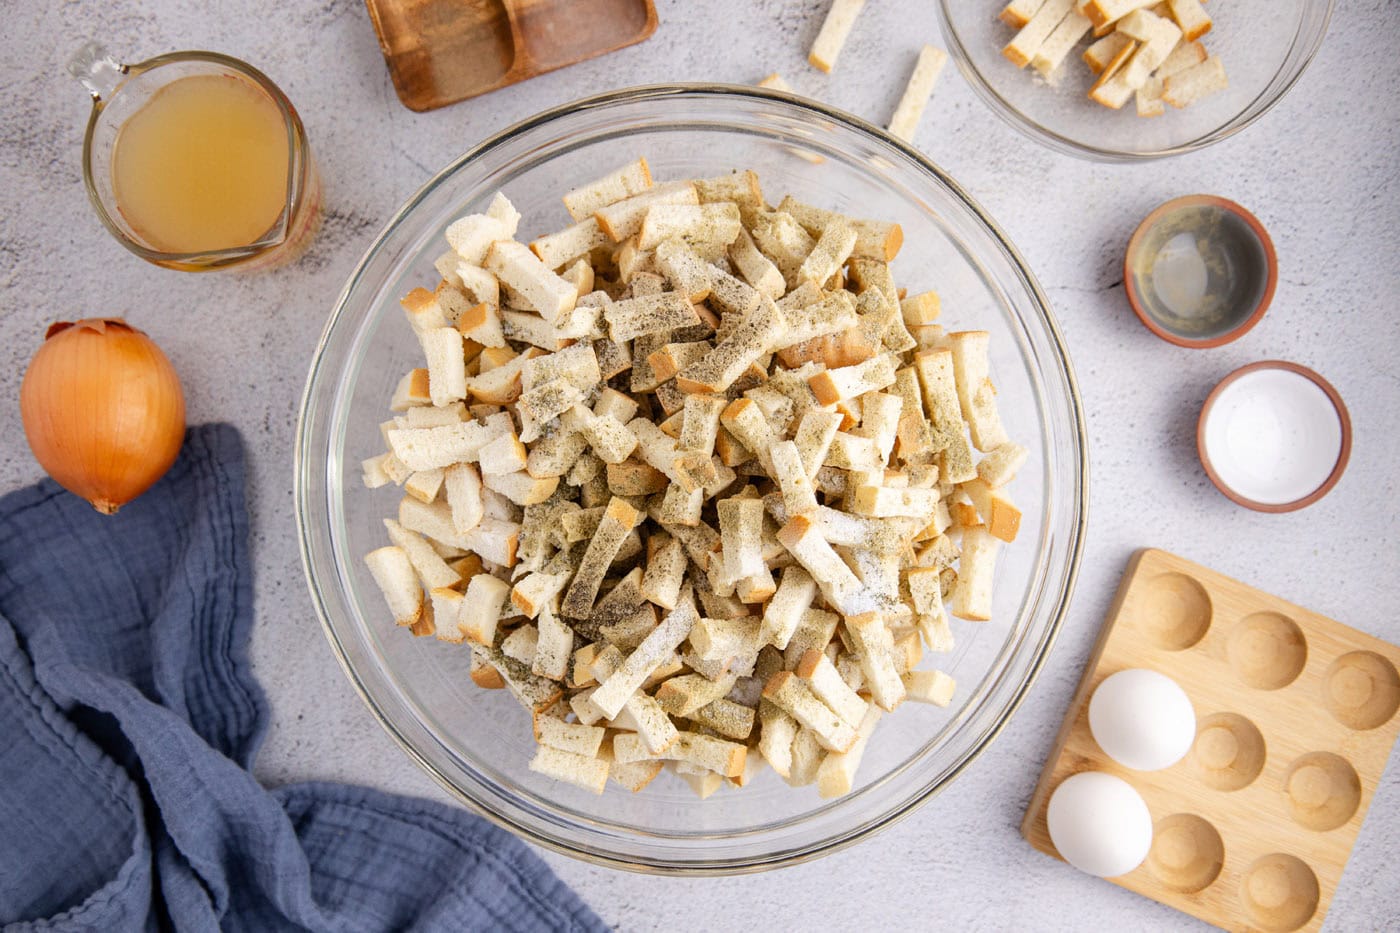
(443, 51)
(1295, 718)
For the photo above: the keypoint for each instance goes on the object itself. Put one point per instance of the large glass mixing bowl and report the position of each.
(477, 743)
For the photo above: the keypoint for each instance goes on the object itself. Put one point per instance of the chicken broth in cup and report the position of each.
(196, 161)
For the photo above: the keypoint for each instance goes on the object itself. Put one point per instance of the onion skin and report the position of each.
(102, 410)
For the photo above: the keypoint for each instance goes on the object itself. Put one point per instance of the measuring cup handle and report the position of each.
(97, 71)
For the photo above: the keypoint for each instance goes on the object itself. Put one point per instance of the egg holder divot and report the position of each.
(1295, 718)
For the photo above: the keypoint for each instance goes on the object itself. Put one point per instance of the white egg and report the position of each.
(1142, 719)
(1099, 824)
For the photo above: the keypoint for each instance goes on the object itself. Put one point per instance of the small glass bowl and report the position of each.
(477, 743)
(1265, 47)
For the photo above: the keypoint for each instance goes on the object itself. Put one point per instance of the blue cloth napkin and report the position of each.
(129, 717)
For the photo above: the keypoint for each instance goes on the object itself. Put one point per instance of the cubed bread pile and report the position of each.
(1142, 50)
(692, 478)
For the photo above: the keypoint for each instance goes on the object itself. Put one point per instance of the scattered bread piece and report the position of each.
(570, 243)
(999, 466)
(631, 179)
(1191, 17)
(431, 568)
(373, 471)
(1022, 48)
(1057, 46)
(1148, 98)
(618, 519)
(917, 91)
(789, 694)
(1019, 12)
(447, 371)
(649, 314)
(829, 254)
(514, 265)
(972, 597)
(731, 357)
(807, 756)
(727, 718)
(646, 717)
(569, 736)
(921, 310)
(704, 783)
(554, 648)
(682, 696)
(937, 378)
(393, 571)
(713, 754)
(757, 269)
(976, 393)
(875, 239)
(1001, 518)
(875, 646)
(837, 25)
(1182, 57)
(704, 223)
(412, 390)
(933, 687)
(838, 584)
(1192, 84)
(666, 638)
(484, 675)
(1103, 12)
(485, 596)
(826, 684)
(1114, 66)
(623, 219)
(579, 770)
(1104, 52)
(837, 772)
(775, 739)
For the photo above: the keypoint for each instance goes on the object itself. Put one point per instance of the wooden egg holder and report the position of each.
(1295, 718)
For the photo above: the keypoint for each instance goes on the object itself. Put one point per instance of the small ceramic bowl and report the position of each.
(1200, 271)
(1274, 436)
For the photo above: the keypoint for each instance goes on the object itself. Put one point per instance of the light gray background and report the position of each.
(1320, 171)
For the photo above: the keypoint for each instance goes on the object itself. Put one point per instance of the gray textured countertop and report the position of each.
(1321, 172)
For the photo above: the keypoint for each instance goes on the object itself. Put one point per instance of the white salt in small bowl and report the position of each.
(1274, 436)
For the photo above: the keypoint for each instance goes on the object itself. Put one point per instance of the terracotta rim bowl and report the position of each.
(1245, 321)
(1343, 453)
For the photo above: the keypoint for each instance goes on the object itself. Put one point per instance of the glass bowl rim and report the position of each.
(1021, 121)
(1075, 534)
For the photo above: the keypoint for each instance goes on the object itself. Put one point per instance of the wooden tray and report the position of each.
(1295, 718)
(443, 51)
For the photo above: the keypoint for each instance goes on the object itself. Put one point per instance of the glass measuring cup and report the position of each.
(119, 91)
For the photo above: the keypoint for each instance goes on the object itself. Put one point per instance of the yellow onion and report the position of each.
(102, 410)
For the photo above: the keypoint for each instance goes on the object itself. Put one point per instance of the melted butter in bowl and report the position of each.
(1200, 271)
